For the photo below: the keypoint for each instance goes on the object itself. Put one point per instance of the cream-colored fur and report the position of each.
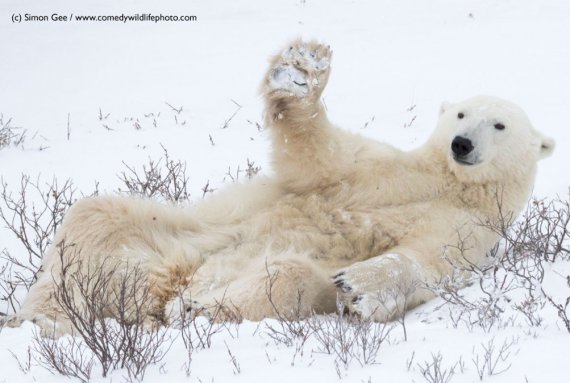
(343, 216)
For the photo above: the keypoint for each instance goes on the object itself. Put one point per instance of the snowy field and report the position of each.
(94, 96)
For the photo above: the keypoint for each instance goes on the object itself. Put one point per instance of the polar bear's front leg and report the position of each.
(306, 148)
(383, 287)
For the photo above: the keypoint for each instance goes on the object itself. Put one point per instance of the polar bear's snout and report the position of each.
(461, 148)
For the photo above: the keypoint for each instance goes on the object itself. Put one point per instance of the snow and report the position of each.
(122, 90)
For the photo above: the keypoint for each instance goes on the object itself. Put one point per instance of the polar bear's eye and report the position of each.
(499, 126)
(460, 115)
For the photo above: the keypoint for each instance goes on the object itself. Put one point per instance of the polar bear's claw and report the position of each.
(366, 290)
(356, 299)
(342, 285)
(338, 275)
(182, 309)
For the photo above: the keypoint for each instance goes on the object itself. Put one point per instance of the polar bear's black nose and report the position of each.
(461, 146)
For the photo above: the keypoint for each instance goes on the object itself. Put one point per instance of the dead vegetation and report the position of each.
(346, 337)
(164, 180)
(107, 307)
(512, 281)
(34, 225)
(10, 135)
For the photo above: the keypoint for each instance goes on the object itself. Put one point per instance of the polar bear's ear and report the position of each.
(444, 107)
(546, 147)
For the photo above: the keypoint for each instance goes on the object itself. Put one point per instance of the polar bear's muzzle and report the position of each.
(462, 149)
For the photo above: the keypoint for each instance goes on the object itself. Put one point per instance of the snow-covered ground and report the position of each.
(92, 95)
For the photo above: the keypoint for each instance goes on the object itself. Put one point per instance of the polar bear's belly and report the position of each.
(339, 234)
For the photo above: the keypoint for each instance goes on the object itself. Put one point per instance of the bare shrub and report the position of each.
(433, 370)
(10, 135)
(24, 364)
(234, 177)
(493, 360)
(483, 309)
(336, 335)
(562, 308)
(233, 359)
(67, 356)
(541, 235)
(188, 339)
(251, 170)
(410, 361)
(34, 225)
(207, 189)
(8, 286)
(530, 307)
(516, 263)
(198, 325)
(395, 299)
(176, 113)
(348, 337)
(163, 180)
(228, 120)
(258, 126)
(542, 232)
(221, 318)
(412, 113)
(345, 337)
(289, 328)
(110, 312)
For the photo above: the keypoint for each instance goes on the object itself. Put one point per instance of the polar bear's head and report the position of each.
(488, 139)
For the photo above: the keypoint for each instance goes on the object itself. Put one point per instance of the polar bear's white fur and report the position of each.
(343, 216)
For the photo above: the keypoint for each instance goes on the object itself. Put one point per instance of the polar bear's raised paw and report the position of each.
(301, 70)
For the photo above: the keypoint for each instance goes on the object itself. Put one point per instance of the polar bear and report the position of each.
(343, 217)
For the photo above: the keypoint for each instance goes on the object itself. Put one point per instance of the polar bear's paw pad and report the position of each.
(289, 78)
(301, 69)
